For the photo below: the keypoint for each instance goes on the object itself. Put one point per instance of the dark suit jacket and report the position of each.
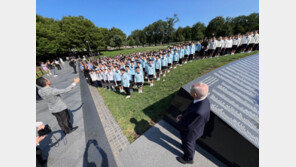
(194, 119)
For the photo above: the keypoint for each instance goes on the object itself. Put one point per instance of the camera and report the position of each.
(45, 131)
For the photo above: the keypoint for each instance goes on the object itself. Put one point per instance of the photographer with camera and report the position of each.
(55, 103)
(43, 130)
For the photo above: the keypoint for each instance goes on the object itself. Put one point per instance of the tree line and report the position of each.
(78, 34)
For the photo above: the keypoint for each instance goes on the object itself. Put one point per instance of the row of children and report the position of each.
(127, 72)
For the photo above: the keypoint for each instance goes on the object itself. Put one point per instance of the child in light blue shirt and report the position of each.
(125, 82)
(139, 79)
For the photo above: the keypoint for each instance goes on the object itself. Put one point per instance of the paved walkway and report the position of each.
(88, 144)
(159, 147)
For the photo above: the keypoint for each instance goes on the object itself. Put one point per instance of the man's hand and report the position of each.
(76, 80)
(39, 139)
(179, 117)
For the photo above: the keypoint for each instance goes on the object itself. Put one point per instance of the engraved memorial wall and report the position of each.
(232, 133)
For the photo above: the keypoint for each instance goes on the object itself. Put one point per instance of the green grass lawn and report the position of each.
(141, 111)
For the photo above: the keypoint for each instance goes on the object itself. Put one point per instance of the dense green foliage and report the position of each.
(138, 113)
(73, 34)
(70, 34)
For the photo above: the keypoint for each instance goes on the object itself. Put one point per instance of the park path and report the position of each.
(87, 145)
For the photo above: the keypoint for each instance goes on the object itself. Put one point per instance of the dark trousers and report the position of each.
(190, 57)
(64, 121)
(127, 90)
(188, 146)
(96, 83)
(74, 67)
(39, 160)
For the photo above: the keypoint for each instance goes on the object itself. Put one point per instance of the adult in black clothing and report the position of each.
(40, 162)
(73, 64)
(192, 122)
(204, 46)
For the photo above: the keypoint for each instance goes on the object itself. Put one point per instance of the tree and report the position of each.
(118, 33)
(187, 33)
(116, 41)
(178, 35)
(215, 27)
(198, 31)
(131, 41)
(169, 31)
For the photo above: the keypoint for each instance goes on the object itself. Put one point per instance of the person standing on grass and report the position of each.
(117, 79)
(164, 64)
(175, 59)
(129, 74)
(197, 49)
(139, 79)
(192, 122)
(151, 71)
(170, 60)
(93, 77)
(256, 38)
(180, 52)
(235, 45)
(158, 67)
(212, 48)
(110, 79)
(218, 48)
(56, 106)
(191, 51)
(186, 53)
(251, 43)
(125, 82)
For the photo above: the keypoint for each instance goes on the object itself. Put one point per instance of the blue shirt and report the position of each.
(176, 57)
(192, 49)
(117, 76)
(158, 64)
(125, 80)
(151, 69)
(129, 73)
(139, 77)
(197, 47)
(186, 51)
(132, 69)
(164, 61)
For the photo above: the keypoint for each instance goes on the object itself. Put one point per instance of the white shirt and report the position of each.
(99, 77)
(245, 40)
(219, 43)
(236, 42)
(223, 43)
(110, 76)
(93, 76)
(212, 45)
(228, 43)
(195, 101)
(239, 41)
(252, 39)
(256, 37)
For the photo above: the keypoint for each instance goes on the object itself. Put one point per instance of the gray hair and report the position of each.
(201, 89)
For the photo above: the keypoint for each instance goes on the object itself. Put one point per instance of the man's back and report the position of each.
(195, 118)
(53, 99)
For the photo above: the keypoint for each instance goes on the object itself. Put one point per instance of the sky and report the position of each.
(129, 15)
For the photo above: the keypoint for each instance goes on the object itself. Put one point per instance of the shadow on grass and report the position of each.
(155, 112)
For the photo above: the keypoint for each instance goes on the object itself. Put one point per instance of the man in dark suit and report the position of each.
(192, 121)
